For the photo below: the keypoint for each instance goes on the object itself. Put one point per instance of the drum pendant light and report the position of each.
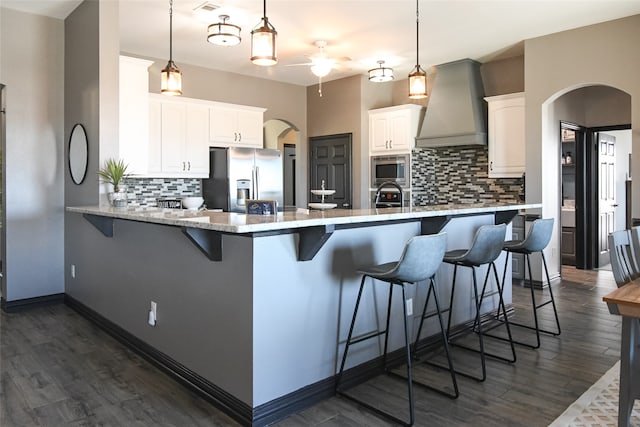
(223, 33)
(380, 73)
(171, 77)
(263, 41)
(417, 77)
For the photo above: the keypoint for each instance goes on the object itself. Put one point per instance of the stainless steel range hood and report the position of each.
(456, 113)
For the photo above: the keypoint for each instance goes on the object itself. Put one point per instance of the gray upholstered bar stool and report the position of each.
(419, 262)
(536, 240)
(485, 249)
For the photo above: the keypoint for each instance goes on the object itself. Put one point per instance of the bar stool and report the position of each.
(536, 240)
(420, 260)
(485, 249)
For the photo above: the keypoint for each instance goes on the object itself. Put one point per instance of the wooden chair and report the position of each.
(623, 256)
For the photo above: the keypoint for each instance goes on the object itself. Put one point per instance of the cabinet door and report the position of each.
(155, 137)
(223, 130)
(506, 138)
(250, 133)
(399, 138)
(378, 134)
(196, 149)
(133, 113)
(173, 137)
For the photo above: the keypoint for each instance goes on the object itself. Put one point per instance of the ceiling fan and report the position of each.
(321, 63)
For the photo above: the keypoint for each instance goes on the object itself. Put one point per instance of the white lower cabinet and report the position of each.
(506, 136)
(178, 138)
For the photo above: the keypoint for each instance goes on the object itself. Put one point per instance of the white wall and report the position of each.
(623, 148)
(33, 71)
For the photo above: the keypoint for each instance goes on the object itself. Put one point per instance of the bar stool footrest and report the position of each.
(476, 350)
(375, 409)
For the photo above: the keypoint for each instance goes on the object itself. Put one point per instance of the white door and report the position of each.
(606, 194)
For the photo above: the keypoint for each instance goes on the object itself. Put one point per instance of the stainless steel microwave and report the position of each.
(396, 168)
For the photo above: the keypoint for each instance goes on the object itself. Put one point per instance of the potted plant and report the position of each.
(114, 172)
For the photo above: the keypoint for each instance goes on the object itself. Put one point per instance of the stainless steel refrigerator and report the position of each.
(239, 174)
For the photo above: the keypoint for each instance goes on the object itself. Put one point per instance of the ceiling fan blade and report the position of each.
(342, 59)
(299, 65)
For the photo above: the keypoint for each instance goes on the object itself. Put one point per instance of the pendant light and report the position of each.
(171, 77)
(417, 77)
(223, 34)
(380, 73)
(263, 41)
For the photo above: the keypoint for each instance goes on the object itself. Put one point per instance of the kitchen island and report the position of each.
(253, 310)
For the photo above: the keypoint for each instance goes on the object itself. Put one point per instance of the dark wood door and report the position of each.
(331, 161)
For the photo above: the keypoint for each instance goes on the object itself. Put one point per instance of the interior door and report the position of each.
(606, 194)
(331, 161)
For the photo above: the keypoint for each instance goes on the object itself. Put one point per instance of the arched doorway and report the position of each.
(284, 136)
(589, 111)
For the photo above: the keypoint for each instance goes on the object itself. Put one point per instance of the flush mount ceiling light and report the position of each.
(223, 33)
(417, 77)
(171, 77)
(263, 41)
(381, 73)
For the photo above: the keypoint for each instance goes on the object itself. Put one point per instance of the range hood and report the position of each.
(456, 113)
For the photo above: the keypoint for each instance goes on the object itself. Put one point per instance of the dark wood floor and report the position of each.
(58, 369)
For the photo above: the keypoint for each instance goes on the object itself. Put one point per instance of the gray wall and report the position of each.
(32, 69)
(343, 109)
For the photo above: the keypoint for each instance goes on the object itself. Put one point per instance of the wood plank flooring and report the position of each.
(57, 369)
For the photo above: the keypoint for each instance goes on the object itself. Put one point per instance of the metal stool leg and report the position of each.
(480, 334)
(535, 306)
(349, 336)
(445, 343)
(350, 341)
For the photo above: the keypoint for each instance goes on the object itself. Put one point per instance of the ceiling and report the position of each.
(364, 30)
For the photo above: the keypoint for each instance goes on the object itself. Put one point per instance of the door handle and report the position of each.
(615, 205)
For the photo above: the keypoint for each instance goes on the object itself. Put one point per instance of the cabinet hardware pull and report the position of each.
(239, 136)
(183, 166)
(491, 166)
(189, 164)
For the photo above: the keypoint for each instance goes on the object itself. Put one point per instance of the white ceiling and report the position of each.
(364, 30)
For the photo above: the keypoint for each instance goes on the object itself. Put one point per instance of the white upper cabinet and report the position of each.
(236, 125)
(393, 129)
(133, 99)
(178, 137)
(506, 135)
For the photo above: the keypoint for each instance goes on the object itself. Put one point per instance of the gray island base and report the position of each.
(252, 310)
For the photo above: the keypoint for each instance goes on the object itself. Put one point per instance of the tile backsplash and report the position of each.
(458, 175)
(146, 191)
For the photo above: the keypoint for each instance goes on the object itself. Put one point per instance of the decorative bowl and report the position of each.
(323, 192)
(322, 206)
(192, 202)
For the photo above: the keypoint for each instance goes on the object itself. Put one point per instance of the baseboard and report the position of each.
(28, 303)
(262, 415)
(224, 401)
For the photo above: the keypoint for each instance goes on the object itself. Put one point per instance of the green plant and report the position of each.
(114, 172)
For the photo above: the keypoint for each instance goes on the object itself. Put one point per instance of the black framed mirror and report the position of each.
(78, 153)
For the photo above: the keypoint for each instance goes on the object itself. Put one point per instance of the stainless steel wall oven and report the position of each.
(395, 168)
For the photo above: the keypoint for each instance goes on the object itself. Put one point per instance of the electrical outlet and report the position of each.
(73, 271)
(153, 314)
(409, 303)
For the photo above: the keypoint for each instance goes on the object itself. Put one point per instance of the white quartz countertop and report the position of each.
(242, 223)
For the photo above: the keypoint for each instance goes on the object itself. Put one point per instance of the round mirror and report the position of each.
(78, 153)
